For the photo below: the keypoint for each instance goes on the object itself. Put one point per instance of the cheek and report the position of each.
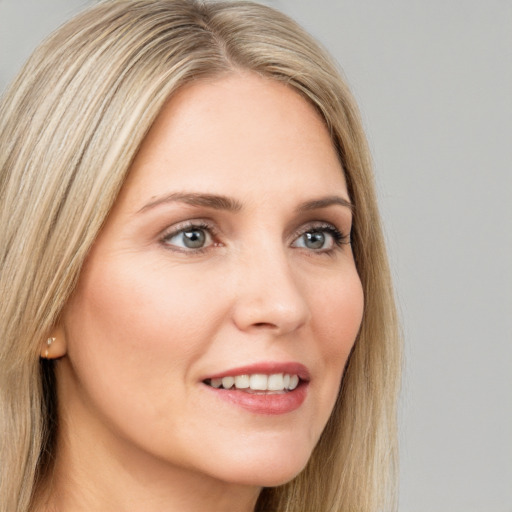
(136, 327)
(336, 320)
(338, 315)
(134, 335)
(139, 307)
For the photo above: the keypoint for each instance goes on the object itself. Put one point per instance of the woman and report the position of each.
(197, 312)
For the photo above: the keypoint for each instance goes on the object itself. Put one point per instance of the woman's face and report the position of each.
(226, 256)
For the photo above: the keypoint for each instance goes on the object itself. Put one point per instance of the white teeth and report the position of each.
(242, 381)
(227, 382)
(294, 381)
(216, 383)
(258, 382)
(275, 382)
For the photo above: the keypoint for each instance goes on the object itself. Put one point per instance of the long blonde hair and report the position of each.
(70, 126)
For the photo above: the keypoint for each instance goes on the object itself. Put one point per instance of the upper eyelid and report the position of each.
(164, 238)
(319, 225)
(340, 236)
(188, 224)
(180, 227)
(214, 230)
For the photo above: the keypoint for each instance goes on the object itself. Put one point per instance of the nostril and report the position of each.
(264, 324)
(280, 309)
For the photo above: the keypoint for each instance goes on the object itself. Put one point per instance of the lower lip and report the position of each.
(264, 403)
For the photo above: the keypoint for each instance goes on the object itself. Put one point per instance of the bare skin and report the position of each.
(228, 246)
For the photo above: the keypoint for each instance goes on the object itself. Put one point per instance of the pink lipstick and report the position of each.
(262, 388)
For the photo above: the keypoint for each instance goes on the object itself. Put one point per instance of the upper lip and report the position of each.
(265, 368)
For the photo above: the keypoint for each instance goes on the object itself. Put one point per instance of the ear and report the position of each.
(55, 345)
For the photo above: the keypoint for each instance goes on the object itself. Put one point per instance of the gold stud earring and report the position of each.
(49, 341)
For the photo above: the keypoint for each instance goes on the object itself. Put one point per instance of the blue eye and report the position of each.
(322, 238)
(190, 237)
(315, 240)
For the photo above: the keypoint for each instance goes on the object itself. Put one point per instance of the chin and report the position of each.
(270, 476)
(278, 477)
(266, 469)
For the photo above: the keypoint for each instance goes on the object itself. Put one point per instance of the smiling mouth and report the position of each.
(257, 383)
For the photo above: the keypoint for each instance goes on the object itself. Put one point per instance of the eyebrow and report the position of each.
(324, 202)
(220, 202)
(217, 202)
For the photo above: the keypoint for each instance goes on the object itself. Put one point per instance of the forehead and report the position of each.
(236, 132)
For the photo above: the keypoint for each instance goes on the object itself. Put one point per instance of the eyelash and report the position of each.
(338, 237)
(189, 226)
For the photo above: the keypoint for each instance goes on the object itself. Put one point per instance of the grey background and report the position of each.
(434, 82)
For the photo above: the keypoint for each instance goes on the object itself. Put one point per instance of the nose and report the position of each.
(268, 293)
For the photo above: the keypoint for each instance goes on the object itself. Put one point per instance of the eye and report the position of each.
(320, 238)
(191, 237)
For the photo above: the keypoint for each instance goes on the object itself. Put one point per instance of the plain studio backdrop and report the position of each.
(434, 83)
